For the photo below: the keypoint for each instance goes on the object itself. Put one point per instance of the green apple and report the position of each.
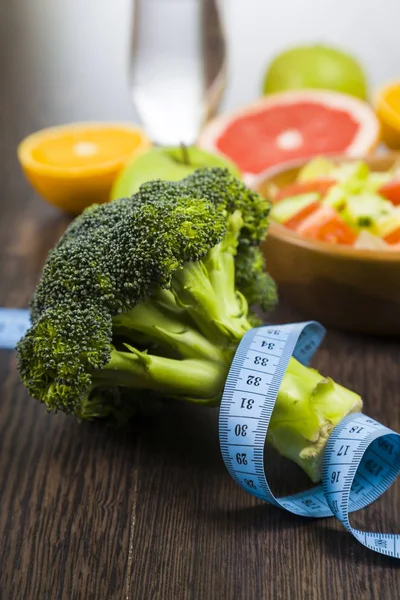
(319, 67)
(171, 164)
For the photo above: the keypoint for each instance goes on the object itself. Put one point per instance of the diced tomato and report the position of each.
(327, 226)
(391, 191)
(304, 187)
(299, 217)
(393, 237)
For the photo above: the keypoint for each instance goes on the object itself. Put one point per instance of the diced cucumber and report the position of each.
(315, 169)
(376, 180)
(352, 175)
(388, 223)
(286, 209)
(336, 197)
(365, 210)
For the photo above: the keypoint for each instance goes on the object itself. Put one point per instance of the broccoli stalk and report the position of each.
(307, 409)
(308, 405)
(148, 297)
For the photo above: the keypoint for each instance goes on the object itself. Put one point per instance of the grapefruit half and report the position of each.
(292, 125)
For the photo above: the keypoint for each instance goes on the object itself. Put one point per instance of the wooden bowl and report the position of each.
(343, 287)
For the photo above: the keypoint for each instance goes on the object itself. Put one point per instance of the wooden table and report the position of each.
(147, 512)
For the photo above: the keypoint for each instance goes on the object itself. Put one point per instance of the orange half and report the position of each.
(388, 111)
(72, 166)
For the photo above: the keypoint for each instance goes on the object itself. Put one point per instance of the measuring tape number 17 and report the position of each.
(361, 459)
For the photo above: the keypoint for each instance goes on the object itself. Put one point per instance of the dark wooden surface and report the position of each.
(147, 512)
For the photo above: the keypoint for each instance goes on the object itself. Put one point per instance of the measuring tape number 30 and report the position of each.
(361, 459)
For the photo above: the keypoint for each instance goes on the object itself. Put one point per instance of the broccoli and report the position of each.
(148, 297)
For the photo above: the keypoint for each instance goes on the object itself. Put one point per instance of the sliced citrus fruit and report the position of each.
(74, 165)
(297, 219)
(388, 111)
(391, 191)
(327, 226)
(394, 237)
(320, 186)
(292, 125)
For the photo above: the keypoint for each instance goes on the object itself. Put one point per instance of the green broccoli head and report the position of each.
(161, 251)
(147, 297)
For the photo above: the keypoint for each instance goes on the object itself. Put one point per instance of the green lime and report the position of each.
(318, 67)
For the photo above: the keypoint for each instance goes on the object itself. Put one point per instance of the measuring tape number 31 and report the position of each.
(362, 457)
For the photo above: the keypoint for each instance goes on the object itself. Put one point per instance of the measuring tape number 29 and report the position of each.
(361, 459)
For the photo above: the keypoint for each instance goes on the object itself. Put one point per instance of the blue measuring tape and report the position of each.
(361, 459)
(14, 323)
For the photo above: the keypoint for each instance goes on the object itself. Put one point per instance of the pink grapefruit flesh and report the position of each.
(292, 125)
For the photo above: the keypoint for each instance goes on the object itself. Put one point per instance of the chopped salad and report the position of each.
(342, 204)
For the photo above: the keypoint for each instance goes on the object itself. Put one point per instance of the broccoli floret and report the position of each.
(140, 293)
(148, 297)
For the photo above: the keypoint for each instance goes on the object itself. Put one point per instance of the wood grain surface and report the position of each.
(147, 512)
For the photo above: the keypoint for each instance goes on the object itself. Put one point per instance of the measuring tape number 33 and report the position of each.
(362, 457)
